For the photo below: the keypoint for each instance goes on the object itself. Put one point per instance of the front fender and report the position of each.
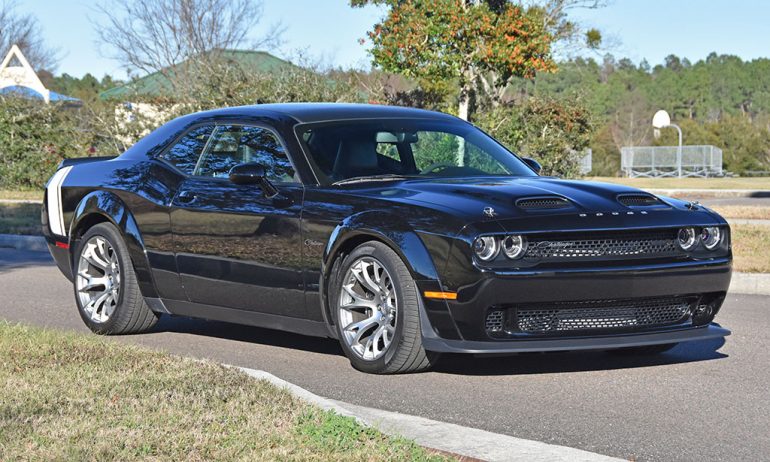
(99, 206)
(409, 245)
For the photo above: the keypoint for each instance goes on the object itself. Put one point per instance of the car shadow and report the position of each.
(576, 361)
(249, 334)
(11, 259)
(456, 364)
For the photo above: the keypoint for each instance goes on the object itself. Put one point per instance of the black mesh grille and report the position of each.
(533, 203)
(495, 321)
(638, 200)
(602, 314)
(596, 246)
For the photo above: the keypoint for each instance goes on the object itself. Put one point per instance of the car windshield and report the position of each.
(384, 148)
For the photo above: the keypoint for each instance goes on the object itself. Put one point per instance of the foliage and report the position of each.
(721, 100)
(553, 132)
(34, 138)
(480, 46)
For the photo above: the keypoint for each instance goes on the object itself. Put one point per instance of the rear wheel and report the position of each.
(648, 350)
(106, 289)
(376, 308)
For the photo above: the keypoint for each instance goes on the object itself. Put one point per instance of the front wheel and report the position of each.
(376, 309)
(106, 289)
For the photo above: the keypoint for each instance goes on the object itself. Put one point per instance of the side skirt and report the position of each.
(250, 318)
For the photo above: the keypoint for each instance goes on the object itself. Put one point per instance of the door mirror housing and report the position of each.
(252, 173)
(533, 164)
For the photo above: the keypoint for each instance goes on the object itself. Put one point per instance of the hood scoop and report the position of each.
(543, 203)
(639, 200)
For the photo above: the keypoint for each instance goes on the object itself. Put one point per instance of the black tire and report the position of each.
(405, 353)
(131, 314)
(649, 350)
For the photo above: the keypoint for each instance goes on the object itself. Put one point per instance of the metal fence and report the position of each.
(661, 161)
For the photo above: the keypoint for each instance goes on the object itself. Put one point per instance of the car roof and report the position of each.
(322, 112)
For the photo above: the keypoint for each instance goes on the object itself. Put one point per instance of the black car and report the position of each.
(401, 232)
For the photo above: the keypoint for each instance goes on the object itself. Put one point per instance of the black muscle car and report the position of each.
(403, 233)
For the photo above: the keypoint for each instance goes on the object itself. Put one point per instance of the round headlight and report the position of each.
(687, 238)
(514, 246)
(486, 247)
(711, 236)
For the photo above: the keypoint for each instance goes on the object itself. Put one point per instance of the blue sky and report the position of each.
(330, 29)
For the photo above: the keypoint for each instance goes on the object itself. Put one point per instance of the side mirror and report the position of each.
(252, 173)
(533, 164)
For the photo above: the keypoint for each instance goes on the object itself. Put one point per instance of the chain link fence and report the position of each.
(662, 161)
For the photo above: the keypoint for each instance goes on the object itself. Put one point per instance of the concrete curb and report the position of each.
(710, 193)
(742, 283)
(451, 438)
(32, 243)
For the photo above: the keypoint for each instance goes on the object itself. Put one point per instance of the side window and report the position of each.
(236, 144)
(185, 153)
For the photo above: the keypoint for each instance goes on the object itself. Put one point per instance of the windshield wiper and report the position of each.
(361, 179)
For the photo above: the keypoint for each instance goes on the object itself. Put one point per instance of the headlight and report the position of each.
(514, 246)
(687, 238)
(486, 247)
(711, 236)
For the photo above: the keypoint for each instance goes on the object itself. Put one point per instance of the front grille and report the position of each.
(638, 200)
(495, 321)
(602, 315)
(603, 245)
(543, 203)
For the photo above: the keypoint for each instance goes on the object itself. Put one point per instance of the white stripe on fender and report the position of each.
(53, 193)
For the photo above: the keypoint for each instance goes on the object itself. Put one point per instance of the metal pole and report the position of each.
(678, 151)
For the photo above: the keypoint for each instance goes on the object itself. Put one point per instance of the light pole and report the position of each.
(661, 119)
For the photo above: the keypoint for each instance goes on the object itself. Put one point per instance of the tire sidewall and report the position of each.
(386, 260)
(111, 234)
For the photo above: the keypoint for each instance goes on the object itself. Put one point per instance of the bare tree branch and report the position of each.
(24, 31)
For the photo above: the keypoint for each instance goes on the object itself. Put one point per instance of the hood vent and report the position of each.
(543, 203)
(639, 200)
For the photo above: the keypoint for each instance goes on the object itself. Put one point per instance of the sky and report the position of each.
(329, 30)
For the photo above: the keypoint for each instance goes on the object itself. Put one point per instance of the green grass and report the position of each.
(32, 195)
(20, 218)
(68, 396)
(751, 248)
(760, 183)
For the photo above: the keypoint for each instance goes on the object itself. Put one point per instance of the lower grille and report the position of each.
(602, 314)
(589, 315)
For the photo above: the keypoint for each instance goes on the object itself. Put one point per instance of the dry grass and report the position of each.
(33, 195)
(67, 396)
(751, 248)
(759, 183)
(743, 211)
(20, 218)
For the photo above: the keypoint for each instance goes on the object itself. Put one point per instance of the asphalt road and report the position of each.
(701, 401)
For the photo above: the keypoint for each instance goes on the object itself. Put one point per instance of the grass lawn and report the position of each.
(751, 248)
(68, 396)
(743, 211)
(19, 218)
(762, 183)
(33, 195)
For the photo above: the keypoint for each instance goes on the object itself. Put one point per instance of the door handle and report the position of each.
(186, 197)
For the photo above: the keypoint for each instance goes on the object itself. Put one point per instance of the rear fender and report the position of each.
(100, 206)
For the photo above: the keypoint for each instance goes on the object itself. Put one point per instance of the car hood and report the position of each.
(469, 197)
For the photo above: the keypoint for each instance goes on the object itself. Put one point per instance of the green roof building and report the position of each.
(158, 84)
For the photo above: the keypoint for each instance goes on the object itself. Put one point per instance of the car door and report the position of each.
(237, 247)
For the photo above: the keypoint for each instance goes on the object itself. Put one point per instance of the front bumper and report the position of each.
(603, 342)
(459, 325)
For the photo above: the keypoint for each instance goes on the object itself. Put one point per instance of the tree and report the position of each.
(24, 31)
(156, 35)
(478, 45)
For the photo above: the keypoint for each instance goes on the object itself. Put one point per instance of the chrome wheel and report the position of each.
(98, 279)
(368, 308)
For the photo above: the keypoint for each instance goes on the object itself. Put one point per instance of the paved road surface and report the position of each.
(702, 401)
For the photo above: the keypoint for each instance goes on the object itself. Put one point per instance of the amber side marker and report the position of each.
(441, 295)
